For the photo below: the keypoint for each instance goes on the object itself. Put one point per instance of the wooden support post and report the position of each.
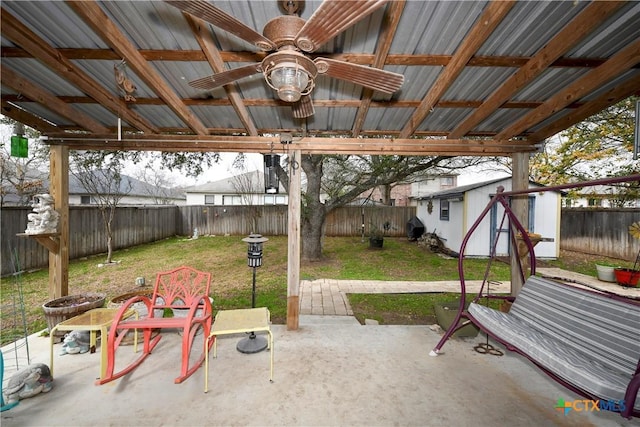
(59, 190)
(520, 207)
(293, 264)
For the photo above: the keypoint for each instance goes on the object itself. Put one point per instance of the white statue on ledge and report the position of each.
(44, 218)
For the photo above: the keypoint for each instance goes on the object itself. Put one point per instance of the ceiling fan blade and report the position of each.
(373, 78)
(303, 108)
(331, 18)
(221, 79)
(208, 12)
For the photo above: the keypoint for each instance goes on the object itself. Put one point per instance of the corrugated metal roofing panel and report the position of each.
(477, 83)
(273, 117)
(100, 114)
(595, 94)
(443, 119)
(528, 27)
(159, 115)
(435, 28)
(63, 28)
(151, 25)
(43, 112)
(500, 119)
(417, 80)
(42, 76)
(426, 28)
(218, 117)
(617, 31)
(550, 82)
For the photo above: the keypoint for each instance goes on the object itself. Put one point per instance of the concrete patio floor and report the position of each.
(331, 371)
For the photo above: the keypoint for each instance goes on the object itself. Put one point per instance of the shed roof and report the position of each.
(462, 189)
(480, 77)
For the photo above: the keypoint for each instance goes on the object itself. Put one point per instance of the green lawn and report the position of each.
(226, 258)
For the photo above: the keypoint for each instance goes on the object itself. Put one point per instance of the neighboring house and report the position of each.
(433, 184)
(450, 213)
(599, 196)
(18, 189)
(244, 189)
(406, 194)
(136, 193)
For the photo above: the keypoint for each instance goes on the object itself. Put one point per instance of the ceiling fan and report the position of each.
(288, 70)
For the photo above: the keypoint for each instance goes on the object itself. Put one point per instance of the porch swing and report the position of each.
(586, 339)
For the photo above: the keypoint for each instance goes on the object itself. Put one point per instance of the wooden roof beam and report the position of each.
(20, 115)
(41, 50)
(308, 145)
(100, 23)
(618, 64)
(356, 58)
(622, 91)
(328, 103)
(592, 16)
(390, 23)
(49, 100)
(203, 36)
(486, 23)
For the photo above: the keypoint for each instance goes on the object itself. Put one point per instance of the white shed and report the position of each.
(450, 213)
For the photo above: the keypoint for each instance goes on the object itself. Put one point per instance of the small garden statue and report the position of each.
(44, 218)
(75, 342)
(34, 379)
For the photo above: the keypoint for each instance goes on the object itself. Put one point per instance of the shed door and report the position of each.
(502, 230)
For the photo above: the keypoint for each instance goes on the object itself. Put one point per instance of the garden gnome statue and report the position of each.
(32, 380)
(44, 218)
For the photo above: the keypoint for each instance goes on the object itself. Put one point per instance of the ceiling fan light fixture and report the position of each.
(290, 81)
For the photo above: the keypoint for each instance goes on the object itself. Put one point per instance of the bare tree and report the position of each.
(99, 173)
(158, 184)
(248, 186)
(22, 177)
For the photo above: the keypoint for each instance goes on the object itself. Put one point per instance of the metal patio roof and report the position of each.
(480, 77)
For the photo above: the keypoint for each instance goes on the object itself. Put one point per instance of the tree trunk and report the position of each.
(314, 212)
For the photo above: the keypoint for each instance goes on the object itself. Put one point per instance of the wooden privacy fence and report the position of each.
(132, 225)
(135, 225)
(349, 220)
(596, 231)
(599, 231)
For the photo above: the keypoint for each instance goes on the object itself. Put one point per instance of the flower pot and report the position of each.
(183, 312)
(61, 309)
(140, 307)
(605, 273)
(627, 276)
(446, 314)
(376, 242)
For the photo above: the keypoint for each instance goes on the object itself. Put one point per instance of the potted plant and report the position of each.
(605, 271)
(630, 276)
(64, 308)
(376, 234)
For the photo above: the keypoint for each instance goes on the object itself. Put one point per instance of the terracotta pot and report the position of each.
(627, 276)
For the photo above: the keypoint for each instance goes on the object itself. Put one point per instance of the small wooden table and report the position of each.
(98, 319)
(237, 322)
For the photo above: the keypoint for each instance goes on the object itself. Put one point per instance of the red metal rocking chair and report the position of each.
(179, 289)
